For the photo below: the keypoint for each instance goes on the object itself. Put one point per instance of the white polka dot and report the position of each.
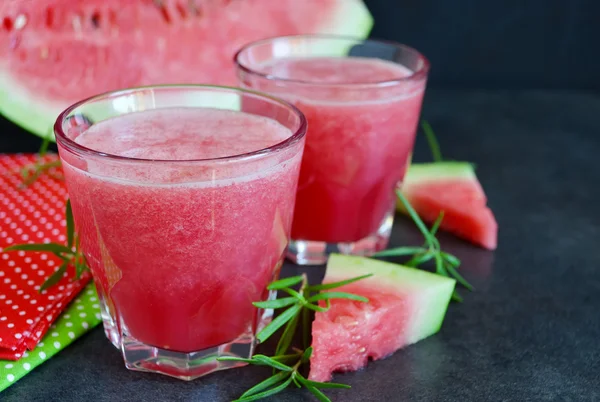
(29, 321)
(85, 325)
(33, 301)
(71, 335)
(18, 335)
(6, 280)
(26, 297)
(3, 318)
(9, 366)
(10, 325)
(93, 299)
(41, 343)
(79, 307)
(15, 307)
(8, 302)
(67, 316)
(26, 366)
(10, 377)
(40, 308)
(42, 355)
(95, 306)
(22, 313)
(57, 345)
(82, 315)
(55, 334)
(20, 292)
(69, 324)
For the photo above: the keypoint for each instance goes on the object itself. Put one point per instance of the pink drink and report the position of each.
(362, 116)
(180, 249)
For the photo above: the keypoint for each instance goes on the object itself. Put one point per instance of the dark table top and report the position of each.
(531, 330)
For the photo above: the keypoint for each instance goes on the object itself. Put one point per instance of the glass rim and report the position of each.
(72, 146)
(416, 75)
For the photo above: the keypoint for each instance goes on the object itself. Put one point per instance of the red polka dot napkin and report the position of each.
(33, 214)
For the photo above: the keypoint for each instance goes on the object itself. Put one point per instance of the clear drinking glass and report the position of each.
(180, 248)
(362, 100)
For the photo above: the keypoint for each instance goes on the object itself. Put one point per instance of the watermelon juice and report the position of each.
(362, 111)
(184, 216)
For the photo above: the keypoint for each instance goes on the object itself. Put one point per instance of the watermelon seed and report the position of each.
(7, 24)
(20, 21)
(182, 11)
(95, 19)
(163, 11)
(49, 17)
(76, 22)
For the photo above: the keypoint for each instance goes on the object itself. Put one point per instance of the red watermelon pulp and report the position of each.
(56, 52)
(405, 305)
(451, 187)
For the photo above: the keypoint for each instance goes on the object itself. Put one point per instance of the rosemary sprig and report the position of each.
(434, 145)
(32, 172)
(446, 264)
(298, 306)
(70, 254)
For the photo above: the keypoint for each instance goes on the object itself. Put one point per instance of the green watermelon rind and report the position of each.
(439, 171)
(431, 291)
(352, 17)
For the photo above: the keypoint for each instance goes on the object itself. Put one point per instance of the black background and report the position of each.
(474, 44)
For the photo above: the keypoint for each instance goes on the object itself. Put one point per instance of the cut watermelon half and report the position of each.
(56, 52)
(451, 187)
(405, 305)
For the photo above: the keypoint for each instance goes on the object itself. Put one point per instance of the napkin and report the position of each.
(33, 214)
(82, 315)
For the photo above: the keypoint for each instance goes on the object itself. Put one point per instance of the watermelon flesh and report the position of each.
(451, 187)
(405, 305)
(56, 52)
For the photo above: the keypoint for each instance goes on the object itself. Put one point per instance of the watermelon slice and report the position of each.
(451, 187)
(405, 305)
(56, 52)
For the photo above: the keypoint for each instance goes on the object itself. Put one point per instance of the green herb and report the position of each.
(297, 308)
(445, 263)
(70, 254)
(432, 141)
(32, 172)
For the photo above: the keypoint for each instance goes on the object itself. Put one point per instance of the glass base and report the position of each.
(139, 356)
(185, 366)
(305, 252)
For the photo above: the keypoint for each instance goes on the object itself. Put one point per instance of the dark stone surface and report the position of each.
(528, 333)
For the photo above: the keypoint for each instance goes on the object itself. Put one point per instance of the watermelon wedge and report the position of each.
(56, 52)
(451, 187)
(405, 305)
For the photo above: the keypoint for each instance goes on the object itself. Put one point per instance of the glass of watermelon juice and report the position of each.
(362, 100)
(183, 198)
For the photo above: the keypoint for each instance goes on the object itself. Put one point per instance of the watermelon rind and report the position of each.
(431, 292)
(351, 17)
(423, 172)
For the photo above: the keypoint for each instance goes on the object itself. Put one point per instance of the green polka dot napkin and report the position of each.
(81, 315)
